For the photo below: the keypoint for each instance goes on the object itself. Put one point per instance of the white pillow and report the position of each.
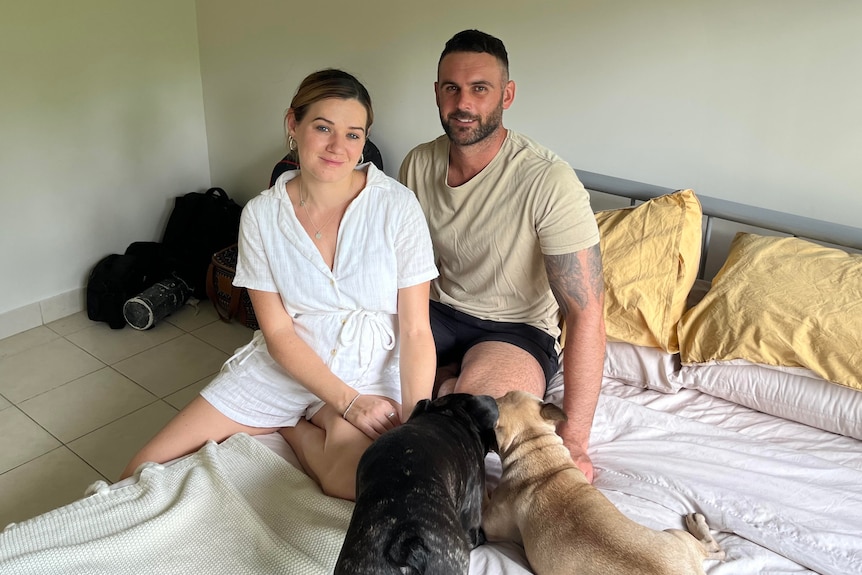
(641, 366)
(634, 365)
(793, 393)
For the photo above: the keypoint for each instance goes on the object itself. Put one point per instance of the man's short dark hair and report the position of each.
(479, 42)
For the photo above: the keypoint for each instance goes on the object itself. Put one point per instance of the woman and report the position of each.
(337, 260)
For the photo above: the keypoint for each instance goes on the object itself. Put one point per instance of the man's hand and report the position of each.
(577, 450)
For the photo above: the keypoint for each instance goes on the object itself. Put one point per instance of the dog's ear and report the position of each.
(551, 412)
(421, 407)
(483, 408)
(484, 411)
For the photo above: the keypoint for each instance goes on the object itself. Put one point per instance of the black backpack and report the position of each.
(200, 225)
(118, 277)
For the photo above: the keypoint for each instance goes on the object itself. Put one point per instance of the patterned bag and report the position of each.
(230, 302)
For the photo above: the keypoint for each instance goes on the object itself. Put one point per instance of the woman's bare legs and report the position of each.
(187, 432)
(445, 379)
(329, 449)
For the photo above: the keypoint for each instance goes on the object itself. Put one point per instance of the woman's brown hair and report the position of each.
(330, 83)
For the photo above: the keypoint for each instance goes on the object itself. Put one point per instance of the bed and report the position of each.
(738, 396)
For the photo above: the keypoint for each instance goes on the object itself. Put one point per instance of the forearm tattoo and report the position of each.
(574, 282)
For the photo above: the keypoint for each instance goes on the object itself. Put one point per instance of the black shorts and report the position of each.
(456, 332)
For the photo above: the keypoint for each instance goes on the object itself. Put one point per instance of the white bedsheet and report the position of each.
(781, 506)
(785, 497)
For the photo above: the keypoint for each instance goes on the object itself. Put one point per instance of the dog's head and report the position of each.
(520, 413)
(481, 410)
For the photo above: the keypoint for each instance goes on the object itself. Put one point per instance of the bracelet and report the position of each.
(349, 405)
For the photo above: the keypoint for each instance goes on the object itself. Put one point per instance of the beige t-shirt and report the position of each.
(490, 233)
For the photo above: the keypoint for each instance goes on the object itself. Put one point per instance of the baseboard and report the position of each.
(39, 313)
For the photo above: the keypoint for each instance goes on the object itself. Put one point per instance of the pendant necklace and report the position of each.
(317, 234)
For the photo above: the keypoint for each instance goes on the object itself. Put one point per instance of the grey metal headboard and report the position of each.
(714, 208)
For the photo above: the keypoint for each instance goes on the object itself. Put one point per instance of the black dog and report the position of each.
(419, 490)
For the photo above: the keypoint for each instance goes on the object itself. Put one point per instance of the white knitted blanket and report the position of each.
(232, 508)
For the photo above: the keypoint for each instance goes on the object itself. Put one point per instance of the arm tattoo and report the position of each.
(573, 282)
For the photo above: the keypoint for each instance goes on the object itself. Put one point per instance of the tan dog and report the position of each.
(566, 525)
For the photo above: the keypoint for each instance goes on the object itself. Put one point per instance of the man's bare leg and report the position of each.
(495, 368)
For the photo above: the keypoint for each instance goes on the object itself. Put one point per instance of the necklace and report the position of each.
(317, 234)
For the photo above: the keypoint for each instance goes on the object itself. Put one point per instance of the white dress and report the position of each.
(347, 315)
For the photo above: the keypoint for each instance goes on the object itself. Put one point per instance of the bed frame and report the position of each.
(716, 209)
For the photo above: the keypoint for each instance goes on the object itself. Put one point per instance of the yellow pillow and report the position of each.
(783, 302)
(650, 256)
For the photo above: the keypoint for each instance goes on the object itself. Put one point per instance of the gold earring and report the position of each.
(291, 143)
(361, 158)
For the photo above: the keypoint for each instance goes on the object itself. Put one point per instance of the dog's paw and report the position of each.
(697, 526)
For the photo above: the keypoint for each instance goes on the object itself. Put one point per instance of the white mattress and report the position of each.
(784, 497)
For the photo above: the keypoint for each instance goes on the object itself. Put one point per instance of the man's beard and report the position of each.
(469, 136)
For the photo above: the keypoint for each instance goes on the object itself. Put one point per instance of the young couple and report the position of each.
(341, 260)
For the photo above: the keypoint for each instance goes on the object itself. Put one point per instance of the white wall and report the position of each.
(102, 115)
(756, 102)
(101, 126)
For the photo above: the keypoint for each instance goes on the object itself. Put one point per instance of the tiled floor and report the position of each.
(78, 399)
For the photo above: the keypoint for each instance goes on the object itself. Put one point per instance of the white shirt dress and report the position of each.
(347, 315)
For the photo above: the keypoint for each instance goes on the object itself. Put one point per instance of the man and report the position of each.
(516, 244)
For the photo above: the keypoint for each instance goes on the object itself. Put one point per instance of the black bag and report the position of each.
(154, 260)
(117, 277)
(200, 225)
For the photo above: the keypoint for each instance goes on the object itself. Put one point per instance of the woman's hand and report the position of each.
(372, 415)
(368, 413)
